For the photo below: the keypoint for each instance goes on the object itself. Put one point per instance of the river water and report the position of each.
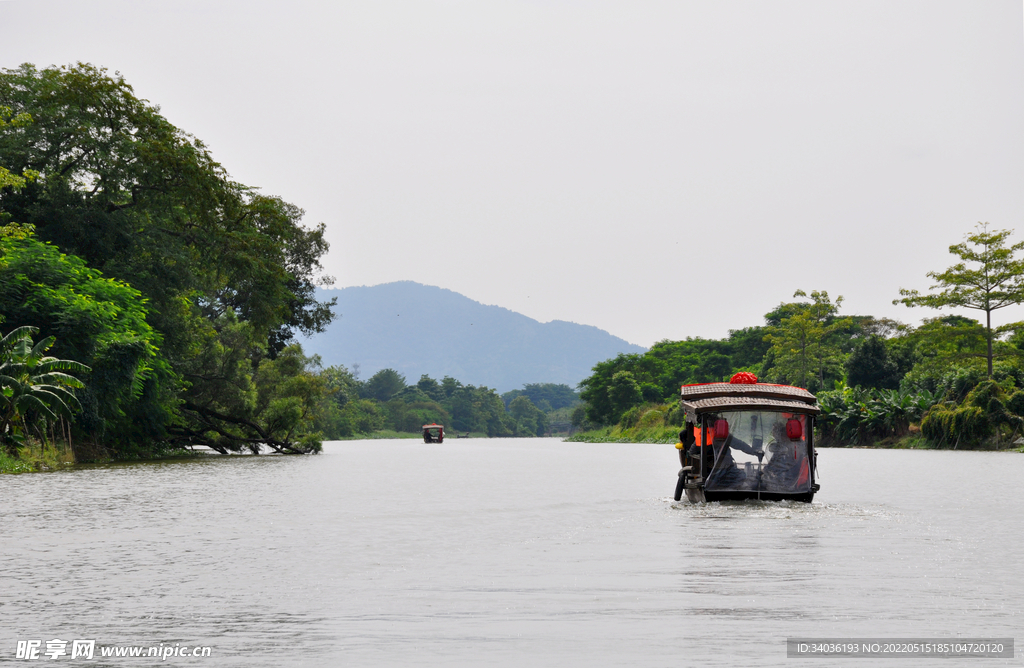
(506, 553)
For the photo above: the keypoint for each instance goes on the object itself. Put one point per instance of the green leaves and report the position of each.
(989, 277)
(92, 318)
(232, 407)
(529, 419)
(7, 178)
(120, 193)
(34, 386)
(853, 415)
(805, 344)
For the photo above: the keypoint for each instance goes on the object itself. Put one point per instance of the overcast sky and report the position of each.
(657, 169)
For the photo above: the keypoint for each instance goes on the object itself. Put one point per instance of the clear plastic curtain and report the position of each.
(759, 451)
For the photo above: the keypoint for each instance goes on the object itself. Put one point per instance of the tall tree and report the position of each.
(871, 366)
(383, 385)
(105, 177)
(624, 393)
(804, 348)
(529, 419)
(988, 277)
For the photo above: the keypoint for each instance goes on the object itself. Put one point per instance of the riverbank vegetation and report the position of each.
(178, 289)
(166, 298)
(950, 382)
(176, 294)
(386, 404)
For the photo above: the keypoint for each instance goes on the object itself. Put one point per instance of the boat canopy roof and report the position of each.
(433, 426)
(718, 397)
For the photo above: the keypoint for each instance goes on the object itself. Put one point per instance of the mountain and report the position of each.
(420, 329)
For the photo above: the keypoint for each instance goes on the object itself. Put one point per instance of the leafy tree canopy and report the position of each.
(529, 419)
(104, 177)
(805, 346)
(98, 320)
(383, 385)
(871, 366)
(545, 396)
(988, 277)
(143, 201)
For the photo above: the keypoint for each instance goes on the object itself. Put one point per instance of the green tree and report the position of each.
(410, 417)
(624, 393)
(988, 277)
(233, 407)
(554, 395)
(341, 388)
(103, 323)
(430, 387)
(943, 342)
(383, 385)
(363, 416)
(804, 347)
(870, 365)
(747, 347)
(145, 203)
(596, 389)
(475, 408)
(529, 419)
(7, 179)
(32, 383)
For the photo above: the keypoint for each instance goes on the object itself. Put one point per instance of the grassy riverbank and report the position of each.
(618, 435)
(35, 458)
(650, 425)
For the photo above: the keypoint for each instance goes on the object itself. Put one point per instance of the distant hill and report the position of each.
(419, 329)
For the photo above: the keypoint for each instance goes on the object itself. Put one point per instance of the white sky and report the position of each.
(657, 169)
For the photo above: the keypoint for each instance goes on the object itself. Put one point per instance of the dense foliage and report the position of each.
(987, 408)
(988, 277)
(875, 378)
(629, 380)
(859, 415)
(386, 401)
(35, 389)
(97, 321)
(179, 287)
(545, 396)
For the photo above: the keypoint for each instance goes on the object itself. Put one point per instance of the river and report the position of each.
(506, 552)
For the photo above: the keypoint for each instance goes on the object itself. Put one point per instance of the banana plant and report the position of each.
(856, 415)
(33, 383)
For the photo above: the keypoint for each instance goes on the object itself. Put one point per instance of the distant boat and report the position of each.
(747, 440)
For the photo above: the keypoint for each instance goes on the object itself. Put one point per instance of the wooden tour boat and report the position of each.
(747, 440)
(433, 433)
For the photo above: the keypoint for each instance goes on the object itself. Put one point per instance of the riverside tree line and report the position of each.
(150, 302)
(958, 381)
(386, 402)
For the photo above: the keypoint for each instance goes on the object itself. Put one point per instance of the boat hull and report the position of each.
(697, 494)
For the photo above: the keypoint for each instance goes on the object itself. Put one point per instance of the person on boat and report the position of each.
(725, 474)
(784, 466)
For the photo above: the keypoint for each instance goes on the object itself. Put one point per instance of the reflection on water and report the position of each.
(503, 552)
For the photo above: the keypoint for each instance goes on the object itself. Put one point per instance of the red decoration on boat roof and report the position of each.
(743, 378)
